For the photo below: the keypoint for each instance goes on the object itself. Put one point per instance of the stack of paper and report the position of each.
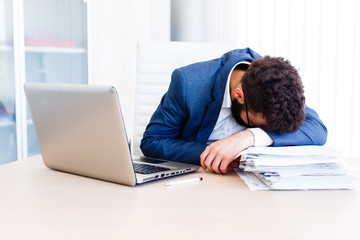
(294, 168)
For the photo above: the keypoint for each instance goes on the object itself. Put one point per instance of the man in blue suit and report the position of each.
(213, 110)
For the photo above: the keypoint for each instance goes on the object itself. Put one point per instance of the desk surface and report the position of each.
(40, 203)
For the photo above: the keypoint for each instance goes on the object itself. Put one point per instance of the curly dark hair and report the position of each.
(273, 87)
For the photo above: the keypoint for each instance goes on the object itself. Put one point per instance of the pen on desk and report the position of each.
(190, 180)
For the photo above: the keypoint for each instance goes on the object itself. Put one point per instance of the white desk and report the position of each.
(39, 203)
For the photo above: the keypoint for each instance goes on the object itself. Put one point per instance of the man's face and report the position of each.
(239, 113)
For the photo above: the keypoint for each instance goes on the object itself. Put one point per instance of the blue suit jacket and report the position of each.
(187, 113)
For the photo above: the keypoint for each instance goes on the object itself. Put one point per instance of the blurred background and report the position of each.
(96, 42)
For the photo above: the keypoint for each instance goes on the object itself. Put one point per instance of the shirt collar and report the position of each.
(227, 98)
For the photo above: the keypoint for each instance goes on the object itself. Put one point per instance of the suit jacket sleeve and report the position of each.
(162, 136)
(312, 132)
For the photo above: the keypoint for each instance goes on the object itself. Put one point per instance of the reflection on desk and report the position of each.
(40, 203)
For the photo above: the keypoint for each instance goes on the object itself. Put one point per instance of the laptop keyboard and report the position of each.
(148, 169)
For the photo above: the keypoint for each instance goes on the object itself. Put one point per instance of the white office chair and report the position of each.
(155, 63)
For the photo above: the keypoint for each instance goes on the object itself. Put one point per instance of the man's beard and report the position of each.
(236, 109)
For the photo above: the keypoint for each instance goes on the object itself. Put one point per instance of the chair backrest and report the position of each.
(155, 64)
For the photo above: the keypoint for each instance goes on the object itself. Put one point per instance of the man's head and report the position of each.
(270, 94)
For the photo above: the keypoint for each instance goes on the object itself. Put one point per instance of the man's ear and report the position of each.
(239, 94)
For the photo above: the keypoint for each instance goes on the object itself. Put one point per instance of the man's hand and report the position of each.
(220, 156)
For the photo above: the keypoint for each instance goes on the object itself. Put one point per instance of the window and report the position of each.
(46, 43)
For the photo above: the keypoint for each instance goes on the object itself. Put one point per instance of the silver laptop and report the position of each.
(80, 130)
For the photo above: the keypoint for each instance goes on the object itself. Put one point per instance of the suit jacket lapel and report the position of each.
(213, 109)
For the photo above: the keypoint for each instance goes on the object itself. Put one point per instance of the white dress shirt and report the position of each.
(226, 124)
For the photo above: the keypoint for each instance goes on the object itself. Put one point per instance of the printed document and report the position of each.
(294, 168)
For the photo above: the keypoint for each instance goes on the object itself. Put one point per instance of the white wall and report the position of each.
(320, 37)
(115, 28)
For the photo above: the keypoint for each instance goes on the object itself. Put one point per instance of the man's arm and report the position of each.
(162, 136)
(220, 156)
(312, 132)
